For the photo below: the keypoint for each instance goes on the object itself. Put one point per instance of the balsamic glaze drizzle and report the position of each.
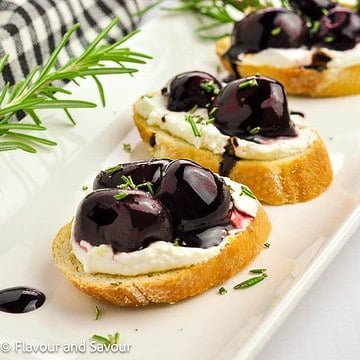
(20, 299)
(228, 160)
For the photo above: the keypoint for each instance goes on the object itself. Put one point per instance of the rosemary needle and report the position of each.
(250, 282)
(110, 340)
(37, 91)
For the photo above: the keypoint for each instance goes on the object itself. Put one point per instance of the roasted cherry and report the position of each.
(196, 197)
(314, 9)
(269, 28)
(340, 30)
(128, 220)
(256, 105)
(191, 88)
(140, 172)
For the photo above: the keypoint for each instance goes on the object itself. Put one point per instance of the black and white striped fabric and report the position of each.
(30, 29)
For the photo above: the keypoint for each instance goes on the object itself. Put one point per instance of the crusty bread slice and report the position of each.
(299, 80)
(167, 286)
(289, 180)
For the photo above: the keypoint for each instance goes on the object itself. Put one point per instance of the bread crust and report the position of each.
(167, 286)
(299, 80)
(293, 179)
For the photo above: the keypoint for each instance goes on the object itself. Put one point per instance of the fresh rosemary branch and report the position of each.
(218, 12)
(37, 91)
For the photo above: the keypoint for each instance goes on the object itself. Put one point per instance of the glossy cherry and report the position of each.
(269, 28)
(191, 88)
(340, 30)
(140, 172)
(314, 9)
(128, 224)
(253, 106)
(196, 197)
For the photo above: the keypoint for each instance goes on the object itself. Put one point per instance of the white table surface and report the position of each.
(326, 323)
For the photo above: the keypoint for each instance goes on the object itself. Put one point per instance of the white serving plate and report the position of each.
(39, 193)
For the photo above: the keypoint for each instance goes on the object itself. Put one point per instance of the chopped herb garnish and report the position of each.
(329, 39)
(257, 271)
(148, 185)
(255, 130)
(97, 313)
(193, 109)
(121, 195)
(84, 188)
(110, 340)
(316, 26)
(248, 84)
(190, 119)
(210, 87)
(325, 11)
(230, 188)
(267, 245)
(128, 182)
(250, 282)
(116, 283)
(213, 110)
(210, 121)
(198, 118)
(276, 31)
(127, 147)
(114, 169)
(222, 291)
(247, 192)
(177, 242)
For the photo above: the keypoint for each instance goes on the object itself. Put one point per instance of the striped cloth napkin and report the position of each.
(30, 29)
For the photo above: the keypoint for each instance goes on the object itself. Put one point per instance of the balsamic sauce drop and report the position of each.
(228, 160)
(20, 299)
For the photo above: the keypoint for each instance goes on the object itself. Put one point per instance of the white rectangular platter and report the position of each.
(39, 193)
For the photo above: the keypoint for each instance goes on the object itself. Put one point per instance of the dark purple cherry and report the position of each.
(191, 88)
(340, 30)
(269, 28)
(314, 9)
(127, 220)
(140, 171)
(256, 105)
(196, 197)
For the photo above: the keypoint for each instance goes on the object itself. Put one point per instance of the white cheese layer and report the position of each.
(153, 109)
(287, 58)
(160, 255)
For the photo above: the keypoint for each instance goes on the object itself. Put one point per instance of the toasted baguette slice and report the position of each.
(167, 286)
(289, 180)
(299, 80)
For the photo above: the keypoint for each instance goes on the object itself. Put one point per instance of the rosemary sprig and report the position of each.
(218, 13)
(37, 90)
